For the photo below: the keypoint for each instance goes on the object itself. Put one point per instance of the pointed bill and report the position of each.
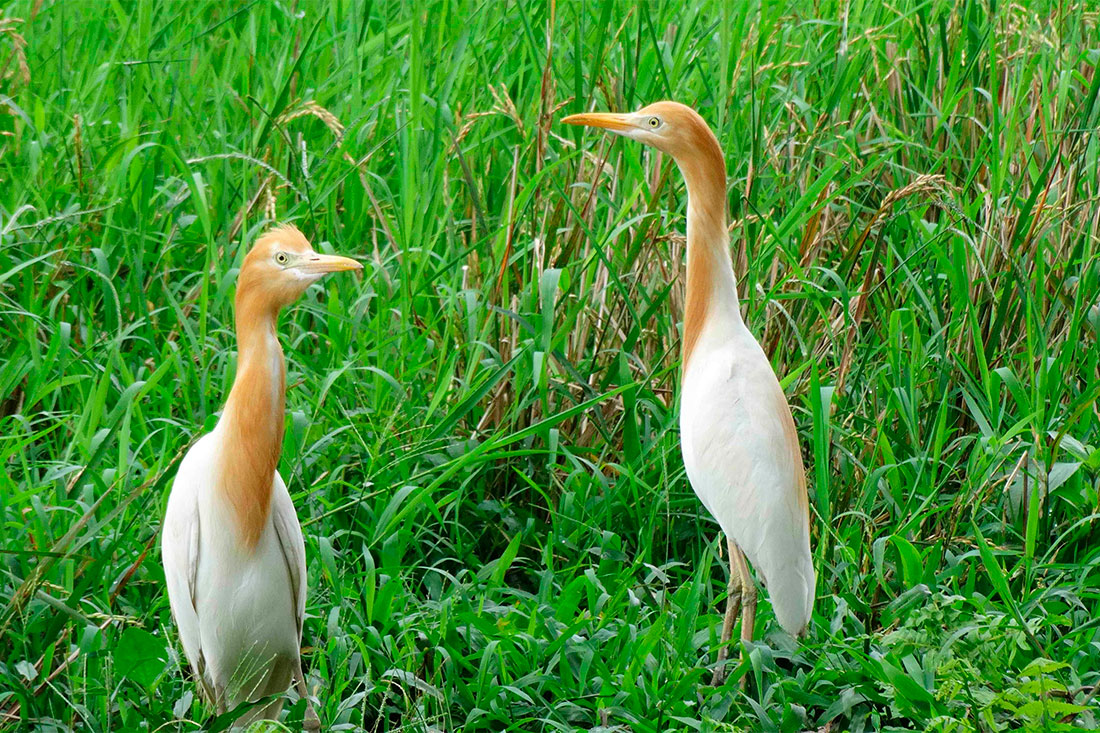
(606, 120)
(323, 264)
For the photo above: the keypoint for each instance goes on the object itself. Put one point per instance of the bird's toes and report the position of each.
(311, 722)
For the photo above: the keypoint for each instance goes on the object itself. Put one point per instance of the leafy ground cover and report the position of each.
(482, 440)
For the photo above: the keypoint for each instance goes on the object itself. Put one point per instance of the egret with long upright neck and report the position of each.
(737, 435)
(232, 547)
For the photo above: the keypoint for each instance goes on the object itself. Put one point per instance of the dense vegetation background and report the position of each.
(482, 442)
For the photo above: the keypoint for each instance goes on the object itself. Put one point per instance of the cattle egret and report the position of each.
(232, 547)
(738, 438)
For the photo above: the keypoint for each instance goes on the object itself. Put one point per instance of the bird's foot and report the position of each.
(310, 721)
(719, 676)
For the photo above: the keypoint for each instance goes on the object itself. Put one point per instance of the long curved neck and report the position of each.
(711, 286)
(252, 423)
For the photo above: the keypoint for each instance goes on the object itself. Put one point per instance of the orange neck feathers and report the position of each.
(252, 422)
(709, 267)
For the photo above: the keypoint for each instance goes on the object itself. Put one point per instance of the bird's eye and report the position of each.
(654, 122)
(281, 258)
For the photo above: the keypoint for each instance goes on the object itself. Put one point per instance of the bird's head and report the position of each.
(282, 264)
(670, 127)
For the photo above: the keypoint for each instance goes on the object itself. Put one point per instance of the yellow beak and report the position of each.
(606, 120)
(320, 264)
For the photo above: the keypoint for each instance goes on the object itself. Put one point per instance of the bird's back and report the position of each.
(742, 459)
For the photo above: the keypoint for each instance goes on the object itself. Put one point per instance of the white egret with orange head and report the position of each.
(738, 437)
(232, 547)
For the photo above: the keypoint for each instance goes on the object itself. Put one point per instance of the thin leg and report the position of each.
(748, 594)
(310, 720)
(219, 699)
(748, 599)
(733, 605)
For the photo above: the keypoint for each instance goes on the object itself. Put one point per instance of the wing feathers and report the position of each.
(180, 554)
(743, 459)
(289, 533)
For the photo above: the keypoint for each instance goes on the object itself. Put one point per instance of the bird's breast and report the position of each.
(244, 601)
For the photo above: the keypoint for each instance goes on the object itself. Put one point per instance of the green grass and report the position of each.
(482, 440)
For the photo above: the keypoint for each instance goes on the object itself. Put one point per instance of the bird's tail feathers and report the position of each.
(792, 595)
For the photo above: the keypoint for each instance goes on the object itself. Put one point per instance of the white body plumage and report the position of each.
(738, 454)
(239, 610)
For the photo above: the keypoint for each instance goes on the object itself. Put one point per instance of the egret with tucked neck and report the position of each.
(737, 435)
(232, 547)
